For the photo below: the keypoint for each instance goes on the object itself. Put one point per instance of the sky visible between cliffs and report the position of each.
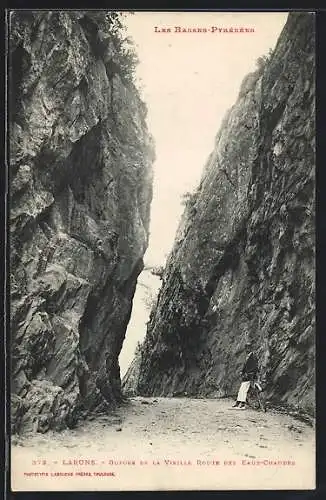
(188, 81)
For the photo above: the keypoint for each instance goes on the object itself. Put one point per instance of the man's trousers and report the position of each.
(243, 391)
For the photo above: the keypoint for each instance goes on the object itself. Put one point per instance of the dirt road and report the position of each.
(161, 443)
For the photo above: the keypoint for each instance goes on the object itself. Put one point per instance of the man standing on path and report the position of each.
(249, 374)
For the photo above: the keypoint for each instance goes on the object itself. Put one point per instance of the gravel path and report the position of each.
(162, 443)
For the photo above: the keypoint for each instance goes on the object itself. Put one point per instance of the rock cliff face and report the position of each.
(130, 380)
(242, 266)
(81, 187)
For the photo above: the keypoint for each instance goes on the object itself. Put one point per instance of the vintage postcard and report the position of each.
(162, 250)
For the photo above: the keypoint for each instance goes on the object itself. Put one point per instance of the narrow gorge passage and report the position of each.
(162, 219)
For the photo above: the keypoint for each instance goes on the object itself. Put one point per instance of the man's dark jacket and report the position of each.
(250, 368)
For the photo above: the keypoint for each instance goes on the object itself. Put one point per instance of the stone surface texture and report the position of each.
(80, 191)
(242, 265)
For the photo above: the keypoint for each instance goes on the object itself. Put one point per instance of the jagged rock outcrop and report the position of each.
(242, 266)
(81, 187)
(130, 379)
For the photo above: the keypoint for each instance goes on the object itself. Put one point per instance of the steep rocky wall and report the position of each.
(81, 187)
(130, 379)
(242, 266)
